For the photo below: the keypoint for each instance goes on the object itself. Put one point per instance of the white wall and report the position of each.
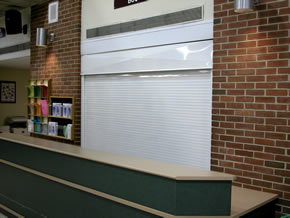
(16, 39)
(97, 13)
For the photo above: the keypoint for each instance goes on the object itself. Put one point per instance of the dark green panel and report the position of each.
(18, 207)
(266, 211)
(51, 199)
(167, 195)
(146, 189)
(4, 212)
(210, 198)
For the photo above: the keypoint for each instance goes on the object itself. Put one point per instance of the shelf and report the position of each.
(37, 133)
(37, 115)
(60, 137)
(38, 97)
(60, 97)
(67, 118)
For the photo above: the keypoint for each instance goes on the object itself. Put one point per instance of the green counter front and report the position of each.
(41, 178)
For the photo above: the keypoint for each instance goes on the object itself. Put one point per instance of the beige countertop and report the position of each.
(243, 202)
(247, 200)
(171, 171)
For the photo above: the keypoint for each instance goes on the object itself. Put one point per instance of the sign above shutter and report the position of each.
(124, 3)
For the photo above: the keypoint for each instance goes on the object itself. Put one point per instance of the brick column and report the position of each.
(251, 118)
(61, 60)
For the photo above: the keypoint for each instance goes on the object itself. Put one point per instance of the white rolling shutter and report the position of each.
(149, 94)
(160, 116)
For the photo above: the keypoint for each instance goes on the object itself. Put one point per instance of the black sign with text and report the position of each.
(124, 3)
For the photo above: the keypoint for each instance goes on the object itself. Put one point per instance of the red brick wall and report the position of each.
(251, 110)
(61, 60)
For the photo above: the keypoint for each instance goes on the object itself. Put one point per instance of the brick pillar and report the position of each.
(251, 118)
(61, 60)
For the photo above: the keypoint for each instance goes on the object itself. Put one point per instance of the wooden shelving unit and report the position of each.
(38, 94)
(62, 118)
(41, 117)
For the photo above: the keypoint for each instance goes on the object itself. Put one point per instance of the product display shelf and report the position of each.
(37, 103)
(40, 112)
(61, 117)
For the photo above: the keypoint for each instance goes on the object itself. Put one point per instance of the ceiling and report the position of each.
(17, 4)
(22, 62)
(16, 63)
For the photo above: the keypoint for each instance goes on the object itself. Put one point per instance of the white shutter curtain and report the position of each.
(160, 116)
